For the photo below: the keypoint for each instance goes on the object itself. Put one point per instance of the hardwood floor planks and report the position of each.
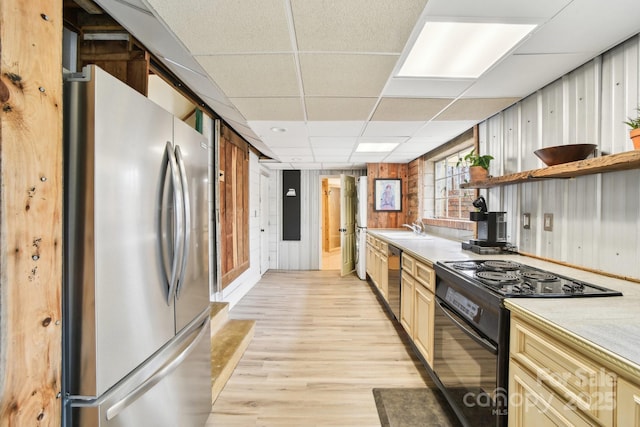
(321, 344)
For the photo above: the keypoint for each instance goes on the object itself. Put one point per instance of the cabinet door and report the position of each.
(424, 310)
(384, 276)
(628, 404)
(370, 259)
(568, 373)
(406, 303)
(532, 404)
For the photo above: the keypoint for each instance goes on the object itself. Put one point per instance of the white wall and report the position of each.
(596, 217)
(305, 253)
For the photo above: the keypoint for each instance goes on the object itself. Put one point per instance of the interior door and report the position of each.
(347, 224)
(264, 223)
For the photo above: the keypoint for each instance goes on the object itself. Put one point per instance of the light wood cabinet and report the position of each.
(418, 304)
(627, 404)
(532, 404)
(551, 383)
(406, 302)
(424, 310)
(378, 264)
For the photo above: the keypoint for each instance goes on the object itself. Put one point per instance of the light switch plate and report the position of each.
(548, 222)
(526, 221)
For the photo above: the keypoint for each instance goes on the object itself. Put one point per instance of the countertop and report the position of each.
(607, 326)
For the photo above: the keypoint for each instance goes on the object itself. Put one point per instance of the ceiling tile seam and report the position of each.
(296, 57)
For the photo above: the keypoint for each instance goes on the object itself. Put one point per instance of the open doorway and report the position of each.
(331, 193)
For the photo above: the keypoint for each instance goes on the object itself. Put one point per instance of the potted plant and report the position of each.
(634, 124)
(478, 165)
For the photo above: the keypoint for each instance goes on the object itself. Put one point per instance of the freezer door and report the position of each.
(172, 389)
(115, 292)
(193, 156)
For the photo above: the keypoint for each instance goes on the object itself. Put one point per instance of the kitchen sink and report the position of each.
(404, 235)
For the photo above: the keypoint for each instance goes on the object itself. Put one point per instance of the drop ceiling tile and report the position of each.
(207, 27)
(445, 130)
(475, 109)
(400, 158)
(586, 26)
(409, 108)
(495, 9)
(413, 87)
(319, 109)
(387, 128)
(335, 128)
(382, 139)
(333, 142)
(345, 166)
(270, 108)
(521, 75)
(341, 75)
(332, 157)
(368, 157)
(355, 25)
(293, 129)
(415, 146)
(253, 75)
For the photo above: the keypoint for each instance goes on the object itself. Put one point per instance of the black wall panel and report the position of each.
(290, 205)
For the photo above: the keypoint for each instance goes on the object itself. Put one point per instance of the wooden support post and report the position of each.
(30, 212)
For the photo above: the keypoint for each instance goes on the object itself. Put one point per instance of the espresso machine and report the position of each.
(492, 229)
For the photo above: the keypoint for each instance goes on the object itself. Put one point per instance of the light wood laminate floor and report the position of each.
(321, 344)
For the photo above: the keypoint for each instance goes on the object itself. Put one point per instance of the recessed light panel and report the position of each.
(376, 147)
(460, 49)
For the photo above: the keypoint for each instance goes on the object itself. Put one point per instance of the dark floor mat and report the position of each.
(413, 407)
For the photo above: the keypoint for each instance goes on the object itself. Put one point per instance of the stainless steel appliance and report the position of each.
(394, 256)
(136, 337)
(361, 227)
(471, 330)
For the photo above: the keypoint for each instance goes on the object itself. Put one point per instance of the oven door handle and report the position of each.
(472, 334)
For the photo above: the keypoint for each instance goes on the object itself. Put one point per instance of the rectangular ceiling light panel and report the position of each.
(460, 49)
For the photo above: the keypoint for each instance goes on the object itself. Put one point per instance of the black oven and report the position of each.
(470, 359)
(471, 330)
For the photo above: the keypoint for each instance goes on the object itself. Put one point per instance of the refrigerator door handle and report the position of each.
(180, 354)
(187, 218)
(178, 243)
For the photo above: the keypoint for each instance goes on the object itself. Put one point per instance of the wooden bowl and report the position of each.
(564, 153)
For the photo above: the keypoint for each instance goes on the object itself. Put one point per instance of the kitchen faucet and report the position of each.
(413, 227)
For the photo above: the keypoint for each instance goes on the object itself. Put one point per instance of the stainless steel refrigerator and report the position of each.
(136, 349)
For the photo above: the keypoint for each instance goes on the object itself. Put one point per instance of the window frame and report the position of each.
(447, 177)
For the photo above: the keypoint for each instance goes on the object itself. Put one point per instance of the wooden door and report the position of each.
(348, 224)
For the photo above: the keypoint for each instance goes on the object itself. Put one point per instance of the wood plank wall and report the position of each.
(30, 212)
(414, 199)
(234, 205)
(384, 171)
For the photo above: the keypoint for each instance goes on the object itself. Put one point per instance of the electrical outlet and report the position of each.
(548, 222)
(526, 221)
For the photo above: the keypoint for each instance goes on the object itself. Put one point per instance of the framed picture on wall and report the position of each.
(387, 194)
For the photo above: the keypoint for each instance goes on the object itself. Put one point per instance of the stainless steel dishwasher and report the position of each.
(394, 280)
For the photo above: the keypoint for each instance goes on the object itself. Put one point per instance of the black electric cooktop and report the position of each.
(512, 279)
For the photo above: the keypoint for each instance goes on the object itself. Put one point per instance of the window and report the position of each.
(452, 202)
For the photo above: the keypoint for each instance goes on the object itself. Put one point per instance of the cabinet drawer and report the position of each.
(383, 247)
(576, 379)
(408, 264)
(533, 404)
(425, 275)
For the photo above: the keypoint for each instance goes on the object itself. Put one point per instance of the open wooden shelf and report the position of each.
(611, 163)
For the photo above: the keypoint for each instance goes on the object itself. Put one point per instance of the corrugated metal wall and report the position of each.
(305, 253)
(596, 218)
